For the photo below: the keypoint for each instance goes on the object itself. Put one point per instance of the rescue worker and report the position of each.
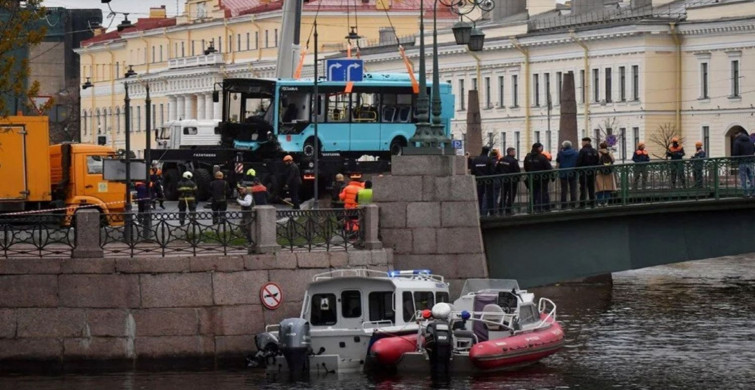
(259, 193)
(587, 157)
(535, 161)
(698, 164)
(744, 148)
(249, 177)
(219, 190)
(509, 165)
(144, 204)
(246, 201)
(338, 186)
(364, 196)
(482, 165)
(675, 152)
(349, 198)
(186, 197)
(293, 180)
(640, 158)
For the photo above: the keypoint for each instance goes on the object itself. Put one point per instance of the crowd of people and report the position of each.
(589, 172)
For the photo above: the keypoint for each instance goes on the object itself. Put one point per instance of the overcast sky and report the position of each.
(135, 8)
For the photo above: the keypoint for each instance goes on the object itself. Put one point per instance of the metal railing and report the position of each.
(323, 229)
(36, 235)
(167, 234)
(620, 185)
(606, 15)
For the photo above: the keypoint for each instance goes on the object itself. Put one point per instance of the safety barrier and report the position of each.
(326, 229)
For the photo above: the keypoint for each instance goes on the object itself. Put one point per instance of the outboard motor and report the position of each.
(439, 339)
(295, 344)
(267, 348)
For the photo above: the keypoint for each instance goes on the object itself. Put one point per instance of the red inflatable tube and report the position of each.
(388, 350)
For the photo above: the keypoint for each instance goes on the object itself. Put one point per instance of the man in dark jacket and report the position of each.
(699, 164)
(535, 161)
(219, 190)
(567, 160)
(640, 158)
(743, 148)
(293, 180)
(508, 165)
(587, 157)
(482, 165)
(187, 191)
(675, 152)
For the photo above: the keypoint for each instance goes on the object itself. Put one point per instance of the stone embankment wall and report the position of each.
(146, 309)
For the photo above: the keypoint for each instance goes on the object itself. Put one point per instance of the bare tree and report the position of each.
(662, 137)
(64, 116)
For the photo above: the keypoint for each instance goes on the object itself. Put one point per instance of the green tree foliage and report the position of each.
(19, 30)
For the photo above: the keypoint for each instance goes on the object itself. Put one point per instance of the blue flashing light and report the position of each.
(465, 315)
(395, 273)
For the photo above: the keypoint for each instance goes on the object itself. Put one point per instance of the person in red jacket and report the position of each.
(349, 198)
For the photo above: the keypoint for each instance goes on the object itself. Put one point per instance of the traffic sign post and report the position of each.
(344, 70)
(271, 295)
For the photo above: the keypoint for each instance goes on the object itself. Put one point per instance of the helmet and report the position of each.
(288, 158)
(339, 177)
(698, 144)
(251, 172)
(675, 139)
(218, 175)
(187, 175)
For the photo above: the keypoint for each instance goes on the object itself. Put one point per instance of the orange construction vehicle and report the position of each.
(37, 176)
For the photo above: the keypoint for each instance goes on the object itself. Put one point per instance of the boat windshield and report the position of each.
(475, 285)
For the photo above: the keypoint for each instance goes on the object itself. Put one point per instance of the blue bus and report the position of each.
(377, 117)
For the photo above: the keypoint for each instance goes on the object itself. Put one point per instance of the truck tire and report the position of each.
(202, 178)
(170, 184)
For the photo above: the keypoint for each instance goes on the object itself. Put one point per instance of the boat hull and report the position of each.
(521, 349)
(387, 351)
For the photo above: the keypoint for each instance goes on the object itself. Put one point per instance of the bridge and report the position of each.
(654, 213)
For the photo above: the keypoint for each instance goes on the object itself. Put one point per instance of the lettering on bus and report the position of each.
(289, 88)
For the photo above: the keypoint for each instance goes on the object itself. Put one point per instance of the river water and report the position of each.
(683, 326)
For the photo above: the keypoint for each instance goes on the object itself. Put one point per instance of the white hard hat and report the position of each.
(187, 175)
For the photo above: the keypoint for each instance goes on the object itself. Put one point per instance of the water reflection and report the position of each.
(686, 326)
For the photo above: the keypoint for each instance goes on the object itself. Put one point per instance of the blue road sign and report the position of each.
(344, 70)
(456, 143)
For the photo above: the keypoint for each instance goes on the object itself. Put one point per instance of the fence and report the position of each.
(615, 185)
(262, 230)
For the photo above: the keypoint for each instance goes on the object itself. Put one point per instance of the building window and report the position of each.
(735, 78)
(636, 135)
(183, 50)
(474, 83)
(276, 37)
(256, 39)
(267, 38)
(238, 42)
(596, 85)
(608, 85)
(503, 143)
(220, 44)
(635, 82)
(230, 43)
(704, 81)
(547, 79)
(193, 48)
(117, 120)
(118, 69)
(623, 135)
(517, 142)
(153, 55)
(623, 83)
(537, 135)
(162, 114)
(247, 41)
(161, 53)
(597, 136)
(462, 95)
(536, 89)
(138, 125)
(515, 93)
(559, 85)
(500, 91)
(487, 93)
(706, 139)
(582, 85)
(491, 140)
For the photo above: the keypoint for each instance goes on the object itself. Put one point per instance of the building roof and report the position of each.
(246, 7)
(142, 24)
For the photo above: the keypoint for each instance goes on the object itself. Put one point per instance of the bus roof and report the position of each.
(370, 79)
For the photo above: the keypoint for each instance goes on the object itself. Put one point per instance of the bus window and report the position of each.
(397, 108)
(338, 107)
(365, 107)
(294, 107)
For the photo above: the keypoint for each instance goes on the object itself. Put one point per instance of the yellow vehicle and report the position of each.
(35, 175)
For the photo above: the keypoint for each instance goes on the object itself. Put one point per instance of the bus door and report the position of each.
(365, 121)
(334, 129)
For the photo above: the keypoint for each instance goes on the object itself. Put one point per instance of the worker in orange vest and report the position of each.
(349, 198)
(675, 153)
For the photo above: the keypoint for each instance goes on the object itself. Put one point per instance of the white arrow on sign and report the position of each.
(330, 70)
(348, 70)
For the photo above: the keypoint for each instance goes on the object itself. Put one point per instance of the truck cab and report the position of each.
(187, 133)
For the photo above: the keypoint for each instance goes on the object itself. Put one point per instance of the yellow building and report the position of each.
(638, 65)
(169, 55)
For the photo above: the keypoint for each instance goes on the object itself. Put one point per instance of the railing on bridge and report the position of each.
(162, 234)
(619, 185)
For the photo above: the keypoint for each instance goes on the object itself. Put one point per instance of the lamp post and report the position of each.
(88, 84)
(430, 138)
(127, 140)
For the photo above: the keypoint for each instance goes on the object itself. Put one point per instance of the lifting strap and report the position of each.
(415, 85)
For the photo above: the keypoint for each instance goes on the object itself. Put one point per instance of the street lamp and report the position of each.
(431, 138)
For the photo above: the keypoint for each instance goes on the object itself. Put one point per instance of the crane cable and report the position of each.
(402, 52)
(297, 72)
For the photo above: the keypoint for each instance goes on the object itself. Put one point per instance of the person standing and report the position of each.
(293, 180)
(338, 184)
(535, 161)
(219, 190)
(364, 196)
(482, 165)
(743, 150)
(587, 157)
(640, 158)
(259, 192)
(144, 204)
(698, 164)
(187, 198)
(509, 166)
(566, 160)
(349, 198)
(246, 201)
(605, 183)
(675, 152)
(156, 184)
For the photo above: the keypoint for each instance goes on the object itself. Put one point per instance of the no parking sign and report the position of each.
(271, 295)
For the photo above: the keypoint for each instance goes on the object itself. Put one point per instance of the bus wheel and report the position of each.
(397, 146)
(309, 148)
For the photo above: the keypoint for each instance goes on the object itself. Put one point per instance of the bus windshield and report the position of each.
(249, 101)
